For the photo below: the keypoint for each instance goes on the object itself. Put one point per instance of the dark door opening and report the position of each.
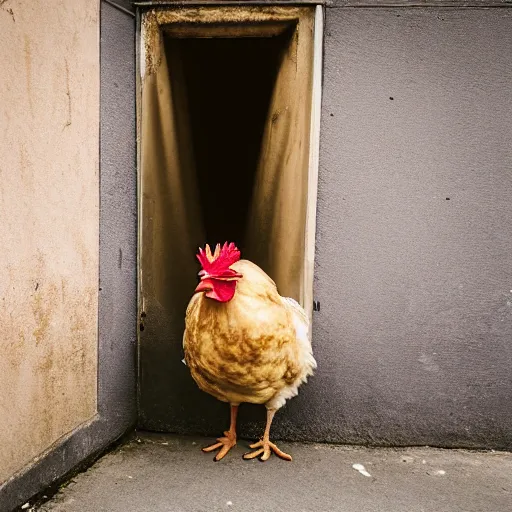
(229, 85)
(224, 129)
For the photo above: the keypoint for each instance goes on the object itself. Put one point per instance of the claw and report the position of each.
(265, 449)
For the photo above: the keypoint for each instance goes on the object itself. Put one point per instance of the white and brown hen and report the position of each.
(243, 342)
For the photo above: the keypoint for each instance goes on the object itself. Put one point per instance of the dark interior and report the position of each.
(229, 84)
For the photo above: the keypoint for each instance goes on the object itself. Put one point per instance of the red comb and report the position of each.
(218, 263)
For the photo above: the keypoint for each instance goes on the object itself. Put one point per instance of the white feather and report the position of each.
(301, 324)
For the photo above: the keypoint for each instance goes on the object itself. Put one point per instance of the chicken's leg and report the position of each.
(265, 447)
(225, 443)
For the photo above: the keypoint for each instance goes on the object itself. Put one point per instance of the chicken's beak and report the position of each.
(203, 286)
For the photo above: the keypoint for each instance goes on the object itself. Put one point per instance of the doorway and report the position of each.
(227, 144)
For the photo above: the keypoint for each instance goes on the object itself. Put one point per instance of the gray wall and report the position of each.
(414, 255)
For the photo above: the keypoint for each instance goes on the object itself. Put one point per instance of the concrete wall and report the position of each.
(102, 93)
(414, 253)
(49, 211)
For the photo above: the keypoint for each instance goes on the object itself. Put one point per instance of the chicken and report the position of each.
(243, 342)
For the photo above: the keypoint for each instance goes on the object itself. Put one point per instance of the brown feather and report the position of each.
(246, 350)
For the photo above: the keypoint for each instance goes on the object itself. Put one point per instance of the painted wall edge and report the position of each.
(117, 309)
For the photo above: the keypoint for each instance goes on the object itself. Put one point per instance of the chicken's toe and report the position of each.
(280, 453)
(266, 454)
(212, 447)
(265, 449)
(253, 455)
(224, 443)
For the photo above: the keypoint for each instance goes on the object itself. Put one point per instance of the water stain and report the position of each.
(28, 70)
(42, 309)
(68, 94)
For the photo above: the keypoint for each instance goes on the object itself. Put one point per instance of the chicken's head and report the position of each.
(218, 281)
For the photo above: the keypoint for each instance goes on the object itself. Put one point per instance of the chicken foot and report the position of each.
(228, 441)
(264, 446)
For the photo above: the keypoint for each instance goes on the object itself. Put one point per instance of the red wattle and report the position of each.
(217, 289)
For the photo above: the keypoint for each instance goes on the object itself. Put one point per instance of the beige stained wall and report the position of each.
(49, 223)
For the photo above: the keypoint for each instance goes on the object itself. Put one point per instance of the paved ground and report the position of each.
(165, 473)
